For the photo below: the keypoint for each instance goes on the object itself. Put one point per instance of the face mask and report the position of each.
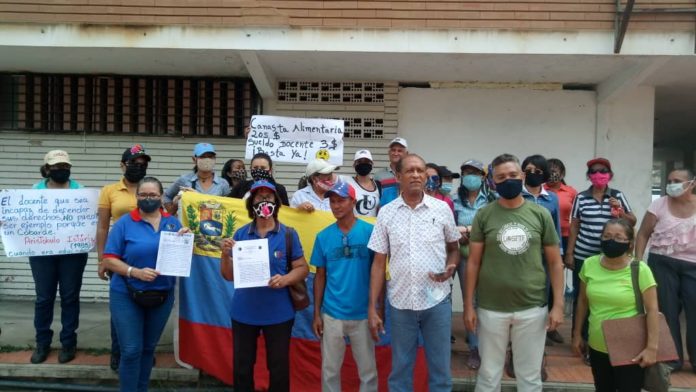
(432, 183)
(676, 190)
(363, 169)
(510, 188)
(446, 188)
(264, 209)
(472, 182)
(533, 179)
(261, 174)
(60, 176)
(149, 205)
(555, 177)
(600, 179)
(205, 164)
(135, 173)
(325, 185)
(239, 175)
(612, 248)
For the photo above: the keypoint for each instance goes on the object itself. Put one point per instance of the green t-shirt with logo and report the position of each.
(512, 276)
(610, 295)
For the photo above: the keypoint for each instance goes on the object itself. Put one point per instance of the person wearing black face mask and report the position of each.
(367, 190)
(602, 289)
(261, 169)
(508, 238)
(62, 271)
(116, 200)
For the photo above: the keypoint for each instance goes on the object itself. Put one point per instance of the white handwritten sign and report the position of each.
(298, 140)
(42, 222)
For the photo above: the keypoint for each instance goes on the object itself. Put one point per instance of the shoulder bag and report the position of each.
(298, 291)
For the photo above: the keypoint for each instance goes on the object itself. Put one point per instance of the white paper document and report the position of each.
(174, 254)
(250, 263)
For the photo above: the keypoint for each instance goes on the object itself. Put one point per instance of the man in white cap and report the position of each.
(398, 148)
(320, 177)
(367, 190)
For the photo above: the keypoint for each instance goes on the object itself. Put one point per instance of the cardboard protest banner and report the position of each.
(296, 140)
(43, 222)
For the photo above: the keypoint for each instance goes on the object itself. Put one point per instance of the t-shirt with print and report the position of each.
(512, 276)
(348, 262)
(367, 202)
(610, 295)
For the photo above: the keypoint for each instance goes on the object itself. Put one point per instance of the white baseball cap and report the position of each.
(360, 154)
(399, 140)
(320, 166)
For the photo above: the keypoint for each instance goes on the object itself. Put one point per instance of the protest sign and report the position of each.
(296, 140)
(42, 222)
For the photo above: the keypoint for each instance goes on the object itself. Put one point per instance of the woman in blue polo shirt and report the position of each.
(140, 298)
(268, 309)
(57, 272)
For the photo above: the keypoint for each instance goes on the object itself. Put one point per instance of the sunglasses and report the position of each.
(603, 171)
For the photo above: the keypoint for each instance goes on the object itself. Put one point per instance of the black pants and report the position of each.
(676, 292)
(277, 338)
(609, 378)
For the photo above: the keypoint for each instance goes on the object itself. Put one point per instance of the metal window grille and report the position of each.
(331, 92)
(132, 104)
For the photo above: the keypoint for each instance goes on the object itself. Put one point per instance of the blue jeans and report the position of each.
(435, 325)
(61, 273)
(139, 329)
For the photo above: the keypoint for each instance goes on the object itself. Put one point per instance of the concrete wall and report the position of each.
(449, 126)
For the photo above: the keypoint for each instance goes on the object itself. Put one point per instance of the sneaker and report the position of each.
(40, 354)
(114, 361)
(555, 337)
(548, 342)
(453, 340)
(586, 359)
(66, 354)
(474, 360)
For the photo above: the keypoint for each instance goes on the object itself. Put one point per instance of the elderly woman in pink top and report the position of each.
(670, 227)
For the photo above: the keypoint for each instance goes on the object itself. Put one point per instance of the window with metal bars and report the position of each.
(149, 105)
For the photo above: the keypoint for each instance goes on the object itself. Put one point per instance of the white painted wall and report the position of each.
(449, 126)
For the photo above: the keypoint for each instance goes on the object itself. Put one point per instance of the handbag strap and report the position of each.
(635, 270)
(288, 246)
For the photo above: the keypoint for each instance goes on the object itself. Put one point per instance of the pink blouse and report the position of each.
(673, 237)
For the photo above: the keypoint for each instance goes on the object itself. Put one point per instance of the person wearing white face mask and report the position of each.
(202, 179)
(321, 177)
(670, 227)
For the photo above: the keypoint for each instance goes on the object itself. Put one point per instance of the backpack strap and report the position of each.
(379, 187)
(288, 246)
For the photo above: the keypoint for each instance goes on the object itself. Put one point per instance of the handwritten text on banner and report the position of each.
(298, 140)
(41, 222)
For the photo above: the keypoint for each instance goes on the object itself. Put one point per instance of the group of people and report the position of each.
(507, 230)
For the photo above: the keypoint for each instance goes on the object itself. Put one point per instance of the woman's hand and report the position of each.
(306, 206)
(144, 274)
(318, 326)
(226, 245)
(578, 345)
(646, 358)
(183, 230)
(569, 261)
(278, 281)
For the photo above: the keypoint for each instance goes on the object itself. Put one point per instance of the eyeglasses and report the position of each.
(603, 171)
(535, 171)
(148, 196)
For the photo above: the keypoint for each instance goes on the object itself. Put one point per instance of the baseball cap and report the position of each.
(134, 152)
(320, 166)
(475, 164)
(55, 157)
(443, 171)
(360, 154)
(202, 148)
(603, 161)
(399, 140)
(341, 189)
(262, 184)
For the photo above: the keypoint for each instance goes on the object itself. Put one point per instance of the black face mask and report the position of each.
(135, 173)
(363, 169)
(612, 248)
(149, 205)
(510, 188)
(261, 174)
(60, 176)
(534, 179)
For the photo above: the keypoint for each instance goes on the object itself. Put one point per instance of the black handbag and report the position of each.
(147, 298)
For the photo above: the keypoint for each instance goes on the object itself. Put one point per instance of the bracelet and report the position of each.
(128, 273)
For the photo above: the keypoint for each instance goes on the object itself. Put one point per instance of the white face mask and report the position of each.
(206, 164)
(677, 189)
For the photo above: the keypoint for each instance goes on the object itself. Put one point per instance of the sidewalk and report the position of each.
(566, 371)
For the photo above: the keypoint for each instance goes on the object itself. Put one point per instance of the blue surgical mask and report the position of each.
(446, 188)
(472, 182)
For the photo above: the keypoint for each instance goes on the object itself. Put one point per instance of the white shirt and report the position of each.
(416, 241)
(308, 194)
(367, 202)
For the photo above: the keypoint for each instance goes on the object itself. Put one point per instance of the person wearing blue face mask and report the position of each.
(446, 180)
(433, 184)
(471, 196)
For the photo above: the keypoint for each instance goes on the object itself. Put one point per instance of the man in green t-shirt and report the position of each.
(508, 238)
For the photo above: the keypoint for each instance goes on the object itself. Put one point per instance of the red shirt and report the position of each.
(566, 195)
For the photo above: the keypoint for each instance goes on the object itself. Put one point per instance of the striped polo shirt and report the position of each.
(592, 216)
